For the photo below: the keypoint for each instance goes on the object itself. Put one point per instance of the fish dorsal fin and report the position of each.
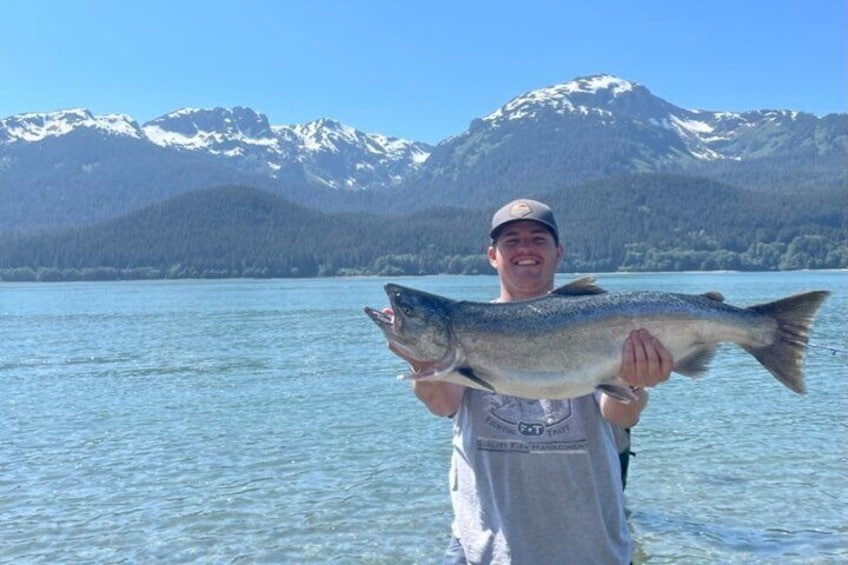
(579, 287)
(714, 295)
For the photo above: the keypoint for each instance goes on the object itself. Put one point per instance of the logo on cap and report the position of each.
(520, 209)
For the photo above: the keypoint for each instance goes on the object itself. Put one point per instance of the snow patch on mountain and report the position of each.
(210, 141)
(219, 131)
(594, 84)
(329, 135)
(529, 105)
(580, 96)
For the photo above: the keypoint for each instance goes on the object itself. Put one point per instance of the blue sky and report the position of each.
(414, 69)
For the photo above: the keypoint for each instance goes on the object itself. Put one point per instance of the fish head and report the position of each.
(419, 325)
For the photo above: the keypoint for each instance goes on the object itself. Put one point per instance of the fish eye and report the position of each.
(407, 310)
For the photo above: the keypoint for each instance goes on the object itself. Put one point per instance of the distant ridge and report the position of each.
(634, 223)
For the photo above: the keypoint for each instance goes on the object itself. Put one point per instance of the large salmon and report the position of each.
(568, 343)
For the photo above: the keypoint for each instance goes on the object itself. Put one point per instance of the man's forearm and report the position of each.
(442, 399)
(621, 414)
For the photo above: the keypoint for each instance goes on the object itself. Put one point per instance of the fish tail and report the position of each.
(784, 357)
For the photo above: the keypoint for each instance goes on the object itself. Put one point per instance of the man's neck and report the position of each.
(514, 295)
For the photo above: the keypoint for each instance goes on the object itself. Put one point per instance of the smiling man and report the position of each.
(539, 481)
(525, 249)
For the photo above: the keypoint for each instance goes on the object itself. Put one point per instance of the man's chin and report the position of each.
(530, 273)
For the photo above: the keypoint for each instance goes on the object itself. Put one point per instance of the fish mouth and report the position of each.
(383, 320)
(386, 323)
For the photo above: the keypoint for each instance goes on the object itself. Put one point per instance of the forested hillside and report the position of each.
(239, 231)
(635, 222)
(676, 222)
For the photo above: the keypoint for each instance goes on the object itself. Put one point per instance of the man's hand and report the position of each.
(442, 399)
(644, 361)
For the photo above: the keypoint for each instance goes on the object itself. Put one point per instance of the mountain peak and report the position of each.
(33, 127)
(234, 122)
(323, 127)
(325, 123)
(593, 84)
(583, 96)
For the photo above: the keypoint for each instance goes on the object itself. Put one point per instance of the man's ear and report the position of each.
(491, 253)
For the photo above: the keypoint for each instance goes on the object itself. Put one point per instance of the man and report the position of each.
(539, 481)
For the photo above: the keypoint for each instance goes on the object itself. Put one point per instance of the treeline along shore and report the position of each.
(645, 222)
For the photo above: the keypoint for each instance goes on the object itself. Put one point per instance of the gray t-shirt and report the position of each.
(536, 482)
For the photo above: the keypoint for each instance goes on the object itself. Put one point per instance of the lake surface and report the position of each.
(260, 421)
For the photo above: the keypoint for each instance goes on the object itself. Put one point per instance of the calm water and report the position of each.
(260, 421)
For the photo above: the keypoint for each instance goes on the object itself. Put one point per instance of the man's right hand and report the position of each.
(440, 398)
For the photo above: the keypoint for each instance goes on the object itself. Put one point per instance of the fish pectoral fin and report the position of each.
(460, 375)
(697, 363)
(436, 369)
(469, 374)
(432, 372)
(619, 391)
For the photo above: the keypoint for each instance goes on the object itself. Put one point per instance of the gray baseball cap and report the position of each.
(521, 210)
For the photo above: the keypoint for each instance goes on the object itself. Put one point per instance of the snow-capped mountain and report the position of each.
(72, 167)
(610, 100)
(603, 125)
(327, 152)
(219, 131)
(369, 159)
(34, 127)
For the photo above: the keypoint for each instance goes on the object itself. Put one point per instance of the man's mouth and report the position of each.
(526, 262)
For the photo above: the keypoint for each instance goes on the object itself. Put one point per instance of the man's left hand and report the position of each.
(645, 362)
